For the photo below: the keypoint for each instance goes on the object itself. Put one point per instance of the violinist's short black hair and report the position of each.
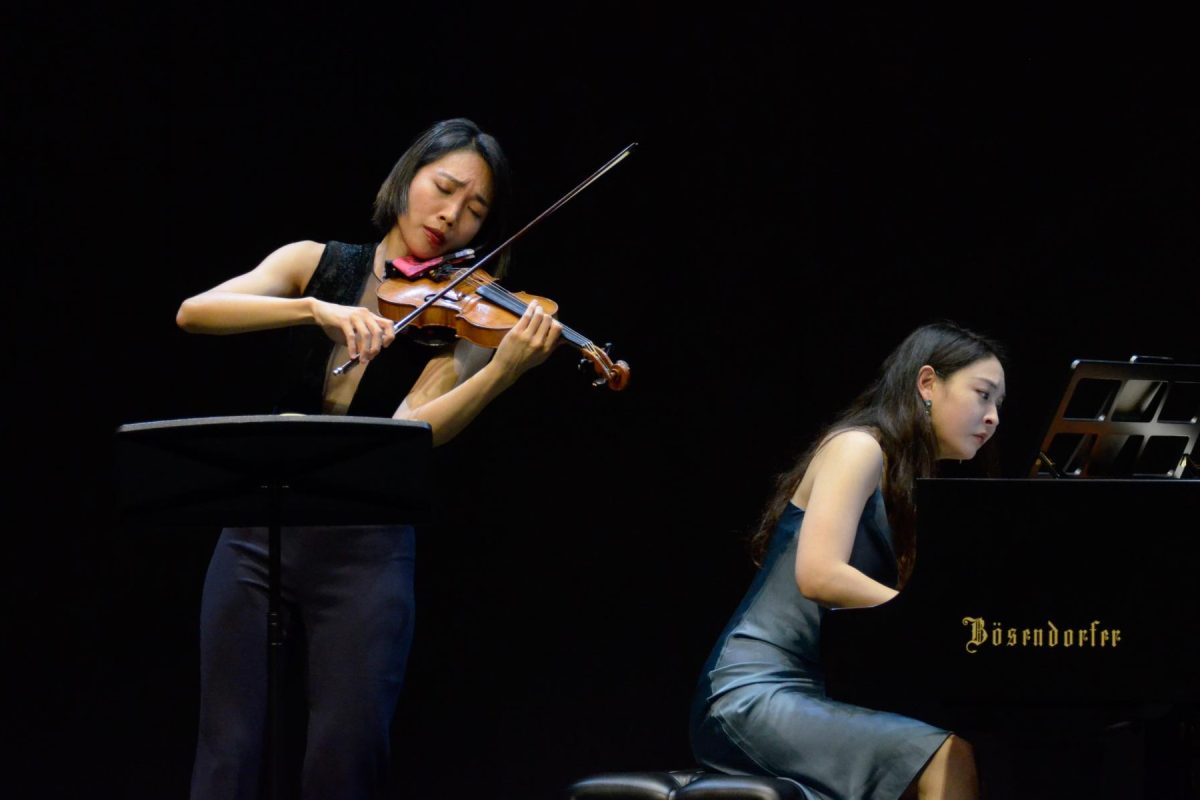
(442, 138)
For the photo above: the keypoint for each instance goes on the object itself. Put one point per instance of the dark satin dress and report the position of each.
(761, 707)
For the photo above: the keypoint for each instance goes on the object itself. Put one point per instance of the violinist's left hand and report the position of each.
(529, 342)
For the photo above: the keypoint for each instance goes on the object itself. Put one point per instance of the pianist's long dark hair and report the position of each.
(892, 407)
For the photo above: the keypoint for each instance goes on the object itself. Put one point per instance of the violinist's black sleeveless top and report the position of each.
(340, 278)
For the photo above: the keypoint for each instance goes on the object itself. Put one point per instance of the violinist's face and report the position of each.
(448, 201)
(966, 406)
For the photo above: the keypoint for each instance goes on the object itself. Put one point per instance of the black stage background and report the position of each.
(807, 190)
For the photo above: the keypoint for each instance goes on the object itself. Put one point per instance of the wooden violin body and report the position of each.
(482, 312)
(465, 314)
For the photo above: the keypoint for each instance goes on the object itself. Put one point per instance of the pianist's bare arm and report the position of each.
(842, 476)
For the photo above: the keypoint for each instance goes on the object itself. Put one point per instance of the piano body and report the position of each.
(1040, 609)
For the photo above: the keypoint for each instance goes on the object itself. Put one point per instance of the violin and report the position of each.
(482, 313)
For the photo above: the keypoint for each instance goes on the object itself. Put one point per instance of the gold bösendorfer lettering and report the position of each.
(982, 633)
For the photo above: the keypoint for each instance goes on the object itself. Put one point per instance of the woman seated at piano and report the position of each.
(840, 533)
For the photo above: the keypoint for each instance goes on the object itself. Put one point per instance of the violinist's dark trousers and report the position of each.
(349, 591)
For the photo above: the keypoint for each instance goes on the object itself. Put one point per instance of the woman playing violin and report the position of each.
(350, 591)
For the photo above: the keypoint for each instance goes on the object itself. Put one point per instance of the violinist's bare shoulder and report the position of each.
(288, 269)
(283, 273)
(268, 296)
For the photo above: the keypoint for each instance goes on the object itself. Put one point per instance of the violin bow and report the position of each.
(401, 324)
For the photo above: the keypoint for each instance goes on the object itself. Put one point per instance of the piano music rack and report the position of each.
(1117, 419)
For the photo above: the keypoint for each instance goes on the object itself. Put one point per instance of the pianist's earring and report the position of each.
(929, 408)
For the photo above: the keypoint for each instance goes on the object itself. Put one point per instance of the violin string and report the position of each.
(479, 281)
(518, 306)
(513, 304)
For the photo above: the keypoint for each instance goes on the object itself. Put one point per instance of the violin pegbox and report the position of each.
(613, 374)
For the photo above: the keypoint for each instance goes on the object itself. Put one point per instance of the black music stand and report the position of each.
(1118, 419)
(273, 471)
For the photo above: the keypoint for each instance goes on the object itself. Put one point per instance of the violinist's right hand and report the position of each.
(363, 332)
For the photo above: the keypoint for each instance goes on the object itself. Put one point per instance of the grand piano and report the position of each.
(1053, 622)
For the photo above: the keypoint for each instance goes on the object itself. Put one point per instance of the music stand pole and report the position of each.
(275, 643)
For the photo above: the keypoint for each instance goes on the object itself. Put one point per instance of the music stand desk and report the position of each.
(272, 470)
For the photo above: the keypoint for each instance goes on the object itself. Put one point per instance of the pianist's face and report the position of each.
(966, 406)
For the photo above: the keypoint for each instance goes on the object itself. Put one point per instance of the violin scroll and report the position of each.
(614, 374)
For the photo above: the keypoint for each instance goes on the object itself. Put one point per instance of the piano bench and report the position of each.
(683, 785)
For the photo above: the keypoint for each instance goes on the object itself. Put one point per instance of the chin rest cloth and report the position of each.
(683, 785)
